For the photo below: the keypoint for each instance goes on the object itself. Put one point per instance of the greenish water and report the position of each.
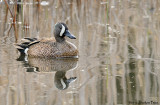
(119, 54)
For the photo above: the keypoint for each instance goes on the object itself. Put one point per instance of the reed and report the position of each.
(118, 42)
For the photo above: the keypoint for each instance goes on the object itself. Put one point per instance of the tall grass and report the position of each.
(118, 42)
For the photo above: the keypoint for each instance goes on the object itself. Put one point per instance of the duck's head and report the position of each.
(60, 31)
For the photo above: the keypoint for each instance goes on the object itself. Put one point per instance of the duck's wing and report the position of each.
(25, 44)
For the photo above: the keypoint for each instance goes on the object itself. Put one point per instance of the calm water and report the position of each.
(119, 53)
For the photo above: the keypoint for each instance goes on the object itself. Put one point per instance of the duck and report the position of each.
(54, 47)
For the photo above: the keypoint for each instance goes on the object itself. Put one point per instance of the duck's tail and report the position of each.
(22, 48)
(26, 43)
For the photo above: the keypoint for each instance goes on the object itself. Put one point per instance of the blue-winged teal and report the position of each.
(50, 47)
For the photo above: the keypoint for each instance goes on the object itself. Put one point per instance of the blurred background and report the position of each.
(119, 54)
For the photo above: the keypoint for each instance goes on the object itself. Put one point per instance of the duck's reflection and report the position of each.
(61, 81)
(60, 66)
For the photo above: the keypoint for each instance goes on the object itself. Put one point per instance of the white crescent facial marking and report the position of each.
(62, 30)
(63, 84)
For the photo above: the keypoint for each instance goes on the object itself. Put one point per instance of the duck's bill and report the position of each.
(68, 34)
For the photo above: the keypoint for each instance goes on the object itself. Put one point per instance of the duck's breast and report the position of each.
(67, 49)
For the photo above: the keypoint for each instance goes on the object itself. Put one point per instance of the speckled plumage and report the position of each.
(50, 47)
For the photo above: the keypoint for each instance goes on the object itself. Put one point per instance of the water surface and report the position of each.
(118, 43)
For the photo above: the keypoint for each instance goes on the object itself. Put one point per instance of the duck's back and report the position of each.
(51, 48)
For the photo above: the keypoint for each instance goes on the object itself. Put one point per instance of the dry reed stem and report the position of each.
(14, 21)
(8, 7)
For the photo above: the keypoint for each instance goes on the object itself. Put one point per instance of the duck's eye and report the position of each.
(60, 27)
